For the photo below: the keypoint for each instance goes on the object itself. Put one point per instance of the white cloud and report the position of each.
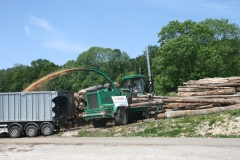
(41, 22)
(51, 37)
(28, 31)
(64, 45)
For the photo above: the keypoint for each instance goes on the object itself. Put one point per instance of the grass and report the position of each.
(187, 126)
(227, 136)
(235, 113)
(216, 117)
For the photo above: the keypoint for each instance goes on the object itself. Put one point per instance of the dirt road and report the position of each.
(119, 148)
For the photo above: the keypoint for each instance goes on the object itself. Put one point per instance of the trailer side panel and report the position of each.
(27, 106)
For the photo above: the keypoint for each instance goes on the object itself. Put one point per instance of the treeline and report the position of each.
(187, 51)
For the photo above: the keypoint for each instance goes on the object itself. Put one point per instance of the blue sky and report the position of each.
(59, 30)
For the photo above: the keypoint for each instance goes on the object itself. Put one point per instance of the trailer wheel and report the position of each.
(14, 132)
(121, 117)
(47, 130)
(31, 131)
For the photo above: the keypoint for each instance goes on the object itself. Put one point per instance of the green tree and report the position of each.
(113, 62)
(191, 50)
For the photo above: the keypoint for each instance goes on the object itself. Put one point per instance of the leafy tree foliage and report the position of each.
(20, 76)
(113, 62)
(191, 50)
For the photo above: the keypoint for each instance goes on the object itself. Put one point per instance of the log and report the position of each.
(154, 97)
(178, 114)
(144, 104)
(161, 97)
(82, 97)
(204, 82)
(202, 107)
(214, 80)
(76, 95)
(235, 81)
(229, 91)
(140, 99)
(219, 96)
(227, 85)
(182, 105)
(191, 89)
(144, 96)
(198, 88)
(200, 100)
(216, 85)
(83, 91)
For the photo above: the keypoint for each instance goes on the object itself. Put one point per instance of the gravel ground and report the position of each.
(116, 152)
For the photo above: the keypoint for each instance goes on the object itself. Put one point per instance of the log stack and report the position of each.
(208, 95)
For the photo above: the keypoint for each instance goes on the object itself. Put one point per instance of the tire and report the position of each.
(47, 130)
(14, 132)
(121, 117)
(31, 131)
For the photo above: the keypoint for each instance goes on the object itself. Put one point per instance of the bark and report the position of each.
(144, 104)
(228, 91)
(227, 85)
(154, 97)
(235, 84)
(200, 100)
(140, 99)
(202, 107)
(178, 114)
(182, 105)
(161, 97)
(214, 80)
(198, 88)
(219, 96)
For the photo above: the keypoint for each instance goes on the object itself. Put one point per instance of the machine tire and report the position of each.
(121, 117)
(31, 131)
(47, 130)
(14, 132)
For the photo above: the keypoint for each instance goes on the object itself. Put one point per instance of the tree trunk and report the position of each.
(182, 105)
(219, 96)
(178, 114)
(200, 100)
(144, 104)
(140, 99)
(228, 91)
(198, 88)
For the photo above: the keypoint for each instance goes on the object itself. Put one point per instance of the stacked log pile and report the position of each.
(204, 96)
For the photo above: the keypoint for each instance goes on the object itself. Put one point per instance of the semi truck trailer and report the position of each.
(33, 113)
